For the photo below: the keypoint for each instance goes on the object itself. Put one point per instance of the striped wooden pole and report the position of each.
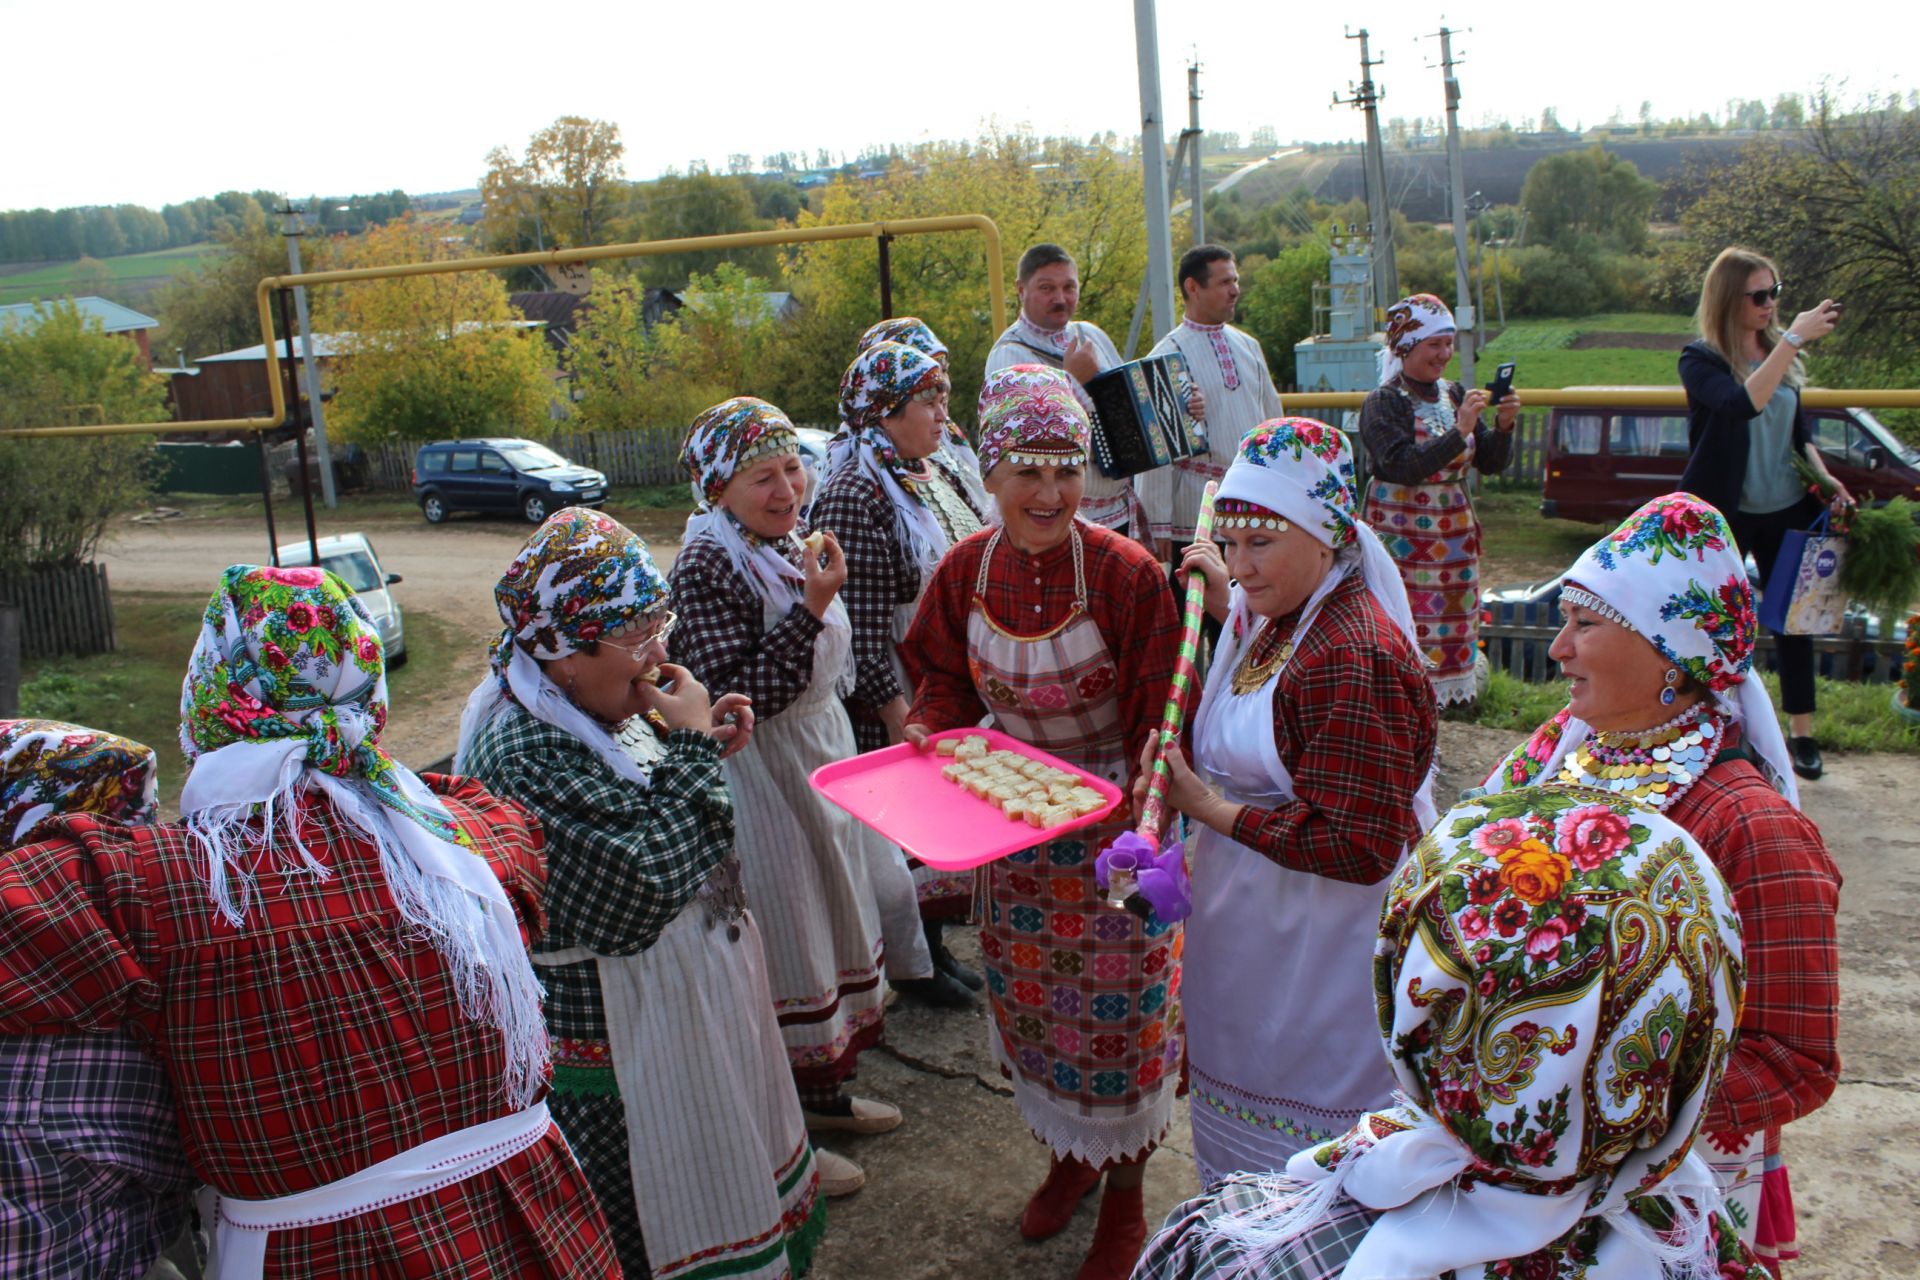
(1186, 679)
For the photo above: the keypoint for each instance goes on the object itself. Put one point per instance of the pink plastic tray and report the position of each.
(898, 791)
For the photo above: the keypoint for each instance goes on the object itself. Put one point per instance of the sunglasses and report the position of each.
(1761, 297)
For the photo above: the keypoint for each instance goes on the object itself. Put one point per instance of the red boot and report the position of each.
(1118, 1237)
(1051, 1207)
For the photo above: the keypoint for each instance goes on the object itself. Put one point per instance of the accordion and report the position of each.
(1140, 416)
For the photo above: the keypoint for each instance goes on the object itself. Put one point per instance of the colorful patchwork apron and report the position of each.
(1084, 996)
(1432, 533)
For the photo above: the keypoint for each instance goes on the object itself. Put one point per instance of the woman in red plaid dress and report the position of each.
(1065, 631)
(328, 958)
(1665, 707)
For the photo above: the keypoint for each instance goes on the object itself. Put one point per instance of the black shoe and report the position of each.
(1806, 757)
(940, 991)
(944, 960)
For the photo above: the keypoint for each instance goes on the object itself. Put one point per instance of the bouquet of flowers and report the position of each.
(1881, 569)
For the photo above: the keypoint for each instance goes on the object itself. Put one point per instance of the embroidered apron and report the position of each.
(808, 870)
(1084, 996)
(1283, 1050)
(1432, 533)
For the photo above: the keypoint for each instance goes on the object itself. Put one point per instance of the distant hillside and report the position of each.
(1418, 179)
(130, 279)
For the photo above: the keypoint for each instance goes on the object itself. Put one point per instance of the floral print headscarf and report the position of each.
(1672, 573)
(1558, 979)
(882, 378)
(286, 691)
(1299, 469)
(1029, 416)
(582, 577)
(733, 434)
(1411, 321)
(49, 768)
(908, 331)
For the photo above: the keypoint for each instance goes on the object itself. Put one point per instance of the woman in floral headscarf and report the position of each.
(896, 503)
(760, 615)
(1557, 979)
(329, 954)
(914, 332)
(1421, 434)
(95, 1183)
(1065, 631)
(669, 1076)
(1664, 706)
(1313, 740)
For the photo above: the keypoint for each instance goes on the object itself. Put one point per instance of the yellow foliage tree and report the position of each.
(1085, 197)
(431, 356)
(626, 375)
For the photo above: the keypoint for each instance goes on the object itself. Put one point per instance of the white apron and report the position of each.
(1283, 1048)
(808, 869)
(722, 1170)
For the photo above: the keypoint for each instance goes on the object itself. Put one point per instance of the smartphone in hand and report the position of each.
(1502, 383)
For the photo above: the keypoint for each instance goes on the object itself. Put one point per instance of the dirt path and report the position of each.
(944, 1192)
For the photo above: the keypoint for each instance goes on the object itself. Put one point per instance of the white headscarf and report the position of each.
(1673, 574)
(1411, 321)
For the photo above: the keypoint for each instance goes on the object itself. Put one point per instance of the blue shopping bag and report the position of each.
(1803, 595)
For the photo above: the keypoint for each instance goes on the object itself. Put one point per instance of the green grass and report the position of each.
(1595, 366)
(146, 270)
(136, 691)
(1851, 717)
(1520, 543)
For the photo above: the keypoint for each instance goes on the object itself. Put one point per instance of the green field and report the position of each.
(134, 277)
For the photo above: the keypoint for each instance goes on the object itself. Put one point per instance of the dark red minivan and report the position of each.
(1603, 463)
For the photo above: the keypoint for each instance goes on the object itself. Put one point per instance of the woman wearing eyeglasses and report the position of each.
(760, 613)
(1743, 377)
(669, 1078)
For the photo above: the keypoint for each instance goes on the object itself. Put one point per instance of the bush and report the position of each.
(61, 492)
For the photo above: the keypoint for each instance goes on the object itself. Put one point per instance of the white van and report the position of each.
(351, 558)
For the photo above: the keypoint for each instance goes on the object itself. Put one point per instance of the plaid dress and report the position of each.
(312, 1041)
(625, 867)
(1085, 997)
(883, 587)
(1786, 1061)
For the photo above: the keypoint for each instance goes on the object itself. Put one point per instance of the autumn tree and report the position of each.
(1085, 198)
(627, 374)
(211, 307)
(431, 355)
(678, 206)
(66, 370)
(560, 193)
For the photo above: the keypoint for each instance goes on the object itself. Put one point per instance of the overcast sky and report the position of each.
(108, 101)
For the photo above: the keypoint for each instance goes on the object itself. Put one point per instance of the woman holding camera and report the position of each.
(1743, 377)
(1421, 434)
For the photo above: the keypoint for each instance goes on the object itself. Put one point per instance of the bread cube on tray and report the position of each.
(1022, 788)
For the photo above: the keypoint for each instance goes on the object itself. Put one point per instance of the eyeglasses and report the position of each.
(635, 646)
(1761, 297)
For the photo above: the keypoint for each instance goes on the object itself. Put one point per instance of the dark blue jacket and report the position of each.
(1718, 413)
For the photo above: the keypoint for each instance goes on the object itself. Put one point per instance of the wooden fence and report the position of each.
(636, 457)
(62, 611)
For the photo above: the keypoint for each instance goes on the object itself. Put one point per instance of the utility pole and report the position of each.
(1366, 96)
(1463, 315)
(1153, 155)
(1198, 210)
(293, 229)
